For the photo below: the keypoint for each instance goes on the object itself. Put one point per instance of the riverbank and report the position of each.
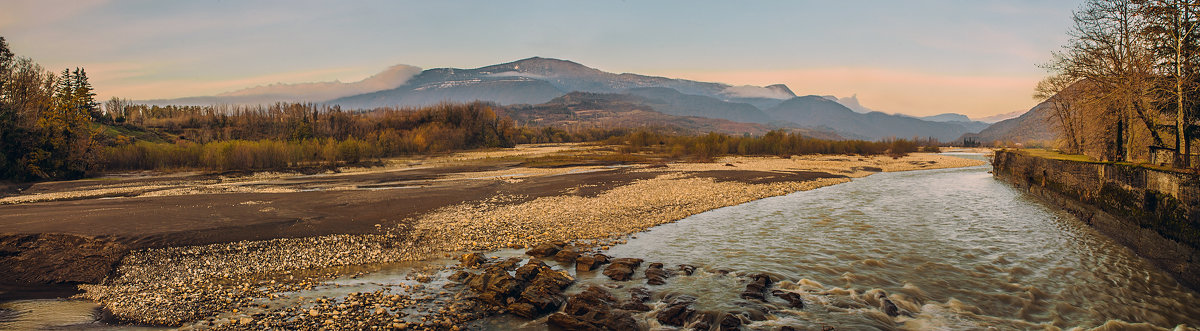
(1152, 211)
(518, 207)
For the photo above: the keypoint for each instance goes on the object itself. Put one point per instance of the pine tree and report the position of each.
(85, 97)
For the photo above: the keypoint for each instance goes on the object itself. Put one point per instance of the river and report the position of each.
(956, 248)
(953, 248)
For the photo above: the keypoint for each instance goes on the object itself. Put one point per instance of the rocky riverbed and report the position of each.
(238, 284)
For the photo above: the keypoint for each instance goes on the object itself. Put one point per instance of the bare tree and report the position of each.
(1058, 90)
(1172, 27)
(1108, 50)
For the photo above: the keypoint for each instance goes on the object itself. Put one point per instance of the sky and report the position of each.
(918, 57)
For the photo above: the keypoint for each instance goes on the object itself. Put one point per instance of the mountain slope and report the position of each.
(1032, 126)
(670, 101)
(564, 76)
(610, 110)
(816, 111)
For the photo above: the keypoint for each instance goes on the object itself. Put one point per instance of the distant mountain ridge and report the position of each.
(539, 81)
(819, 111)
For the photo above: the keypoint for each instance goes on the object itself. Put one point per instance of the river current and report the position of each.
(954, 249)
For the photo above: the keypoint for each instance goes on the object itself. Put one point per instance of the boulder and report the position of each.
(677, 312)
(635, 306)
(544, 297)
(756, 289)
(509, 264)
(687, 269)
(618, 272)
(544, 250)
(632, 262)
(567, 255)
(792, 298)
(472, 260)
(460, 276)
(589, 262)
(655, 275)
(530, 270)
(568, 322)
(593, 309)
(622, 269)
(730, 322)
(591, 299)
(503, 285)
(886, 305)
(545, 291)
(639, 294)
(523, 309)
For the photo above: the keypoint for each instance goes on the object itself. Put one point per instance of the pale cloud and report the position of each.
(137, 88)
(893, 91)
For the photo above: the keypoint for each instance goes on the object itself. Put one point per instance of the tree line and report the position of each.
(774, 143)
(51, 127)
(1126, 85)
(45, 120)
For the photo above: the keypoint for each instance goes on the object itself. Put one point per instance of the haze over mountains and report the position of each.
(542, 82)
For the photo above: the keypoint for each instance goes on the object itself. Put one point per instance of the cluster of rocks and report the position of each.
(535, 289)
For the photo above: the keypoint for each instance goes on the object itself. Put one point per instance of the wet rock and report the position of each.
(530, 270)
(544, 250)
(509, 264)
(590, 262)
(655, 275)
(639, 294)
(730, 322)
(591, 299)
(460, 276)
(569, 322)
(544, 293)
(503, 285)
(523, 309)
(756, 289)
(566, 255)
(633, 262)
(677, 312)
(635, 306)
(792, 298)
(593, 309)
(886, 305)
(472, 260)
(622, 269)
(687, 269)
(702, 320)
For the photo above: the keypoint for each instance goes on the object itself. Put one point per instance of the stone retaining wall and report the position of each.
(1154, 212)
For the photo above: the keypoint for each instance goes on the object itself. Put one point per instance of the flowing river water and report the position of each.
(954, 249)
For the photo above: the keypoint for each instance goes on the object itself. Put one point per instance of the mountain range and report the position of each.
(541, 83)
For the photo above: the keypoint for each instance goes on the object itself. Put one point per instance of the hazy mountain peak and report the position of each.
(777, 91)
(782, 89)
(947, 117)
(1000, 117)
(390, 78)
(539, 66)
